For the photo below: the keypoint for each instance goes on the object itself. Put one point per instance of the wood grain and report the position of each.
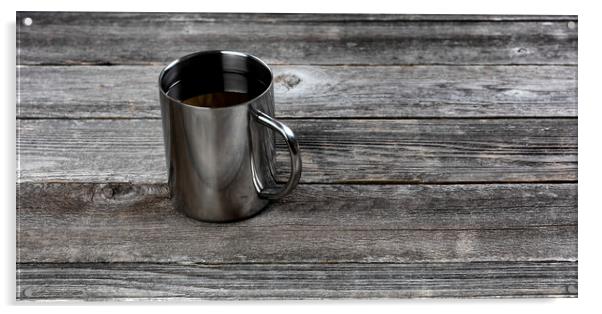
(439, 151)
(333, 151)
(337, 224)
(317, 91)
(144, 38)
(295, 281)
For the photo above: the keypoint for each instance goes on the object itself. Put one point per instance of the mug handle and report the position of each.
(293, 148)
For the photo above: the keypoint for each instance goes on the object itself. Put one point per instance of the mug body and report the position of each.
(218, 159)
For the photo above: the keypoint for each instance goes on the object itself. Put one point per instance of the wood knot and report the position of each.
(116, 190)
(108, 192)
(522, 51)
(287, 80)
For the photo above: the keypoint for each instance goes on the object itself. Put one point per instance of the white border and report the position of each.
(313, 6)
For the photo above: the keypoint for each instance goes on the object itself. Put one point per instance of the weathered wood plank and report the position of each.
(143, 38)
(295, 281)
(270, 18)
(317, 223)
(317, 91)
(457, 206)
(333, 151)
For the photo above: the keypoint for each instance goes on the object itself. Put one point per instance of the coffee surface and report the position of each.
(217, 99)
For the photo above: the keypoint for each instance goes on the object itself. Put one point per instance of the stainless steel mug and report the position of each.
(221, 161)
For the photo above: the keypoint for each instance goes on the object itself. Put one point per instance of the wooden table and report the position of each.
(439, 154)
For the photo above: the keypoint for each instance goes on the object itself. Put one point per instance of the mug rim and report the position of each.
(211, 52)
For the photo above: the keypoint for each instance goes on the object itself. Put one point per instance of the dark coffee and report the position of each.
(217, 99)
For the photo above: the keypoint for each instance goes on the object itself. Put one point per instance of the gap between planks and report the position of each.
(325, 118)
(157, 64)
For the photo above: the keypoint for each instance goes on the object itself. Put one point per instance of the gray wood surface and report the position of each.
(296, 281)
(318, 91)
(317, 224)
(333, 151)
(439, 151)
(118, 38)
